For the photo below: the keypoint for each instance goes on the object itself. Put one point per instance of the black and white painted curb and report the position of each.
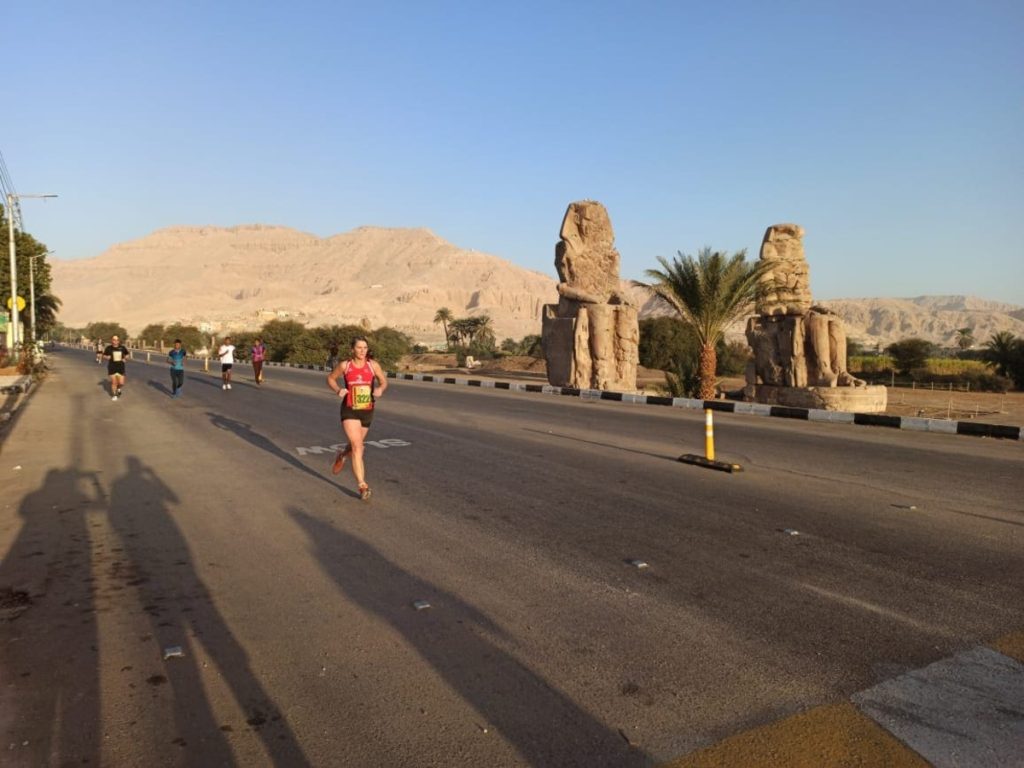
(973, 428)
(914, 423)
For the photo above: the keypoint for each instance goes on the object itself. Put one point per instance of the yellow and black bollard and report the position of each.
(708, 459)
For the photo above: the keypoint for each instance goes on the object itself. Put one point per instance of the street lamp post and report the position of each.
(13, 335)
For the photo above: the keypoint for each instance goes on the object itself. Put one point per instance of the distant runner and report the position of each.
(176, 357)
(99, 351)
(259, 354)
(115, 354)
(226, 354)
(362, 382)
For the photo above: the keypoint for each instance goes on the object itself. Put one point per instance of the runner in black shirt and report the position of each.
(115, 354)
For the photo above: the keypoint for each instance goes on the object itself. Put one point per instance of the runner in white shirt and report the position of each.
(226, 354)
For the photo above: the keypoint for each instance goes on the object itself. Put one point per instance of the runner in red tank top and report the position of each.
(362, 382)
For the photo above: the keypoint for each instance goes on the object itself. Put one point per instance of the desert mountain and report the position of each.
(237, 278)
(240, 277)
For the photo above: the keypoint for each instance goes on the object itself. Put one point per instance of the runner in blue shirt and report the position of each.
(176, 357)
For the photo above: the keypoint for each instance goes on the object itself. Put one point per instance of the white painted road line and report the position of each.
(964, 711)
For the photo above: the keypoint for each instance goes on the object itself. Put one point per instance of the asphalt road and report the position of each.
(212, 522)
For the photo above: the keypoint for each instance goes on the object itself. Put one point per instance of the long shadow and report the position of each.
(609, 445)
(49, 661)
(181, 613)
(161, 388)
(246, 432)
(544, 725)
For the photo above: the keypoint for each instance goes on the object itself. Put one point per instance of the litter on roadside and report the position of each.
(174, 652)
(791, 531)
(421, 605)
(639, 564)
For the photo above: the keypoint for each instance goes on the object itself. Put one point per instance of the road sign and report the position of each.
(21, 303)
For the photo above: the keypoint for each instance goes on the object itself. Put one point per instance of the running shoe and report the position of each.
(114, 397)
(339, 459)
(223, 386)
(364, 492)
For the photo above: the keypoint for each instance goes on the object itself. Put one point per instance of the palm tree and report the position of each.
(709, 292)
(964, 338)
(999, 352)
(444, 316)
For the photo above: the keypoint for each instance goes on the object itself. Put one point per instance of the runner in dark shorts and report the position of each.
(362, 382)
(115, 354)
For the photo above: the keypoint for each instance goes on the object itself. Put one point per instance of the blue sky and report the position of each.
(891, 131)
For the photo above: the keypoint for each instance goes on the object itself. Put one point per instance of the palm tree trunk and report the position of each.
(708, 363)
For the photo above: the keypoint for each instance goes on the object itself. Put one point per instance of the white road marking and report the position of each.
(391, 442)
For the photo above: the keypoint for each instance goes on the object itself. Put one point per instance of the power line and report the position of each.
(7, 186)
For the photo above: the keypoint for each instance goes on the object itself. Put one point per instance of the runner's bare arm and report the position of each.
(381, 377)
(332, 380)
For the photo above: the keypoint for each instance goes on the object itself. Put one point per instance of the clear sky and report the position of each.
(893, 132)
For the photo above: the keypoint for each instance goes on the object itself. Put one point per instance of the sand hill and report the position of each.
(239, 277)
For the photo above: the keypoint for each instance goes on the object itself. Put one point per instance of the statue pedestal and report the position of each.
(872, 399)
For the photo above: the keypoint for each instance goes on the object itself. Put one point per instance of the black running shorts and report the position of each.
(364, 417)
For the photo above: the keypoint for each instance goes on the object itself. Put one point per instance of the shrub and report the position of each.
(911, 353)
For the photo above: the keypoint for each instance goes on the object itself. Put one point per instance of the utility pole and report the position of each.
(12, 337)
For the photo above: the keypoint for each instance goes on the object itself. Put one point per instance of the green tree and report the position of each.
(104, 330)
(307, 349)
(192, 339)
(31, 264)
(964, 338)
(387, 346)
(1005, 354)
(153, 334)
(280, 336)
(709, 292)
(665, 342)
(732, 357)
(444, 316)
(460, 329)
(531, 346)
(911, 353)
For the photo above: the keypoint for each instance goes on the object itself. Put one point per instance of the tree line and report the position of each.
(287, 341)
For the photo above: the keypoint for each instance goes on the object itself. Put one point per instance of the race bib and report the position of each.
(362, 397)
(115, 355)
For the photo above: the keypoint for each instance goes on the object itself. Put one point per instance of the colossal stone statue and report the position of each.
(591, 336)
(799, 348)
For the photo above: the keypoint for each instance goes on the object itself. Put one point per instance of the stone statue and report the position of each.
(799, 348)
(591, 337)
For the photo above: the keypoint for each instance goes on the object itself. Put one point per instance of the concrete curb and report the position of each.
(973, 428)
(14, 385)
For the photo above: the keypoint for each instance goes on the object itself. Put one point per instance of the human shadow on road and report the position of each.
(247, 433)
(543, 724)
(161, 388)
(181, 612)
(49, 660)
